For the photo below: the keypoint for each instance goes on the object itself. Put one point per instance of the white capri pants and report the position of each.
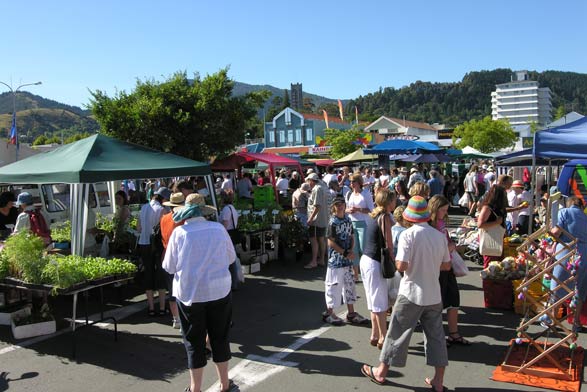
(339, 284)
(376, 289)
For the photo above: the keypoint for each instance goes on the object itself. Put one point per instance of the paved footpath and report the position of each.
(278, 340)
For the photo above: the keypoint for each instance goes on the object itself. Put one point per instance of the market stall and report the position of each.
(96, 158)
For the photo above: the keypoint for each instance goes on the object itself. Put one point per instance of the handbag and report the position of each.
(491, 240)
(388, 267)
(459, 268)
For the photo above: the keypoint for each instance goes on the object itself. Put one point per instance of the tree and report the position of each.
(484, 135)
(276, 107)
(308, 105)
(196, 118)
(331, 109)
(76, 137)
(286, 103)
(40, 141)
(560, 112)
(343, 142)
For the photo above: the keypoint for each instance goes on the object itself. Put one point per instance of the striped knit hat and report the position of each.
(417, 210)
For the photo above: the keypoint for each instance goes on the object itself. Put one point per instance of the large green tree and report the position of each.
(343, 142)
(485, 135)
(195, 118)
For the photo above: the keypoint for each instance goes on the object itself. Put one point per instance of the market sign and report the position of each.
(323, 150)
(402, 137)
(528, 142)
(445, 133)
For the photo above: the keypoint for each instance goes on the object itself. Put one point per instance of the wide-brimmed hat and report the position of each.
(24, 198)
(490, 168)
(417, 210)
(200, 201)
(484, 167)
(175, 200)
(414, 170)
(518, 184)
(403, 170)
(313, 177)
(164, 192)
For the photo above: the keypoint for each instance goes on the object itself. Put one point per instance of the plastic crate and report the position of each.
(535, 290)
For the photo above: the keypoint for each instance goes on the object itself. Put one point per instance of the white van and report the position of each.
(54, 199)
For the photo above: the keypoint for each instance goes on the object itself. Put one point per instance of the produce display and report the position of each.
(62, 233)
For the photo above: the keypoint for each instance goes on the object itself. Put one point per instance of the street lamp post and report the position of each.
(14, 91)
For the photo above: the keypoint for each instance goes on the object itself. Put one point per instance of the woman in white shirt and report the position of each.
(228, 216)
(359, 204)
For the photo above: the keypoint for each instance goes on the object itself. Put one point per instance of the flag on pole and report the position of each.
(340, 110)
(13, 138)
(325, 118)
(357, 115)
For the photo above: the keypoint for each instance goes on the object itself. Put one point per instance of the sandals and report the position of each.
(356, 318)
(373, 342)
(369, 374)
(428, 381)
(456, 338)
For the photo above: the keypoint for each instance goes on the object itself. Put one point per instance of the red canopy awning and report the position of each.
(236, 160)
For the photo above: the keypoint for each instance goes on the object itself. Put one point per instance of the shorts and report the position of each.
(316, 232)
(169, 282)
(376, 289)
(472, 196)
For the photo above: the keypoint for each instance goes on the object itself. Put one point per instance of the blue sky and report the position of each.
(339, 49)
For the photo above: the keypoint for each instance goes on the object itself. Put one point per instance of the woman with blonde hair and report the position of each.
(376, 289)
(449, 288)
(420, 189)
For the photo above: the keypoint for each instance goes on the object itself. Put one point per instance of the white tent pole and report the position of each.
(533, 200)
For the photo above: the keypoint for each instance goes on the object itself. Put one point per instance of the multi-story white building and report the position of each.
(521, 101)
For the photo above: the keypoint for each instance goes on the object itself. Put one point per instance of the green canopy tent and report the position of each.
(95, 159)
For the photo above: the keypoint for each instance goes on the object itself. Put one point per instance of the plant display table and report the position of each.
(74, 291)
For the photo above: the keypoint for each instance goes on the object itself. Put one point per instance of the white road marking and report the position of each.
(255, 369)
(118, 314)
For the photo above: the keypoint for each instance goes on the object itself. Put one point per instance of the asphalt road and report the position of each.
(278, 340)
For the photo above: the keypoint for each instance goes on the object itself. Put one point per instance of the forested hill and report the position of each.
(26, 100)
(454, 103)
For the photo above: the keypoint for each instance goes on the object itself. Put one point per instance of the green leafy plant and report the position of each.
(4, 265)
(105, 223)
(62, 233)
(24, 252)
(292, 232)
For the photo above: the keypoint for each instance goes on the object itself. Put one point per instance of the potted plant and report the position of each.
(28, 323)
(61, 235)
(24, 257)
(291, 237)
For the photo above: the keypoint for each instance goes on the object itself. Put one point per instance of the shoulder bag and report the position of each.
(388, 267)
(235, 235)
(491, 240)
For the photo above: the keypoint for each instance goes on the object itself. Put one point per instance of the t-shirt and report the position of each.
(435, 186)
(229, 214)
(396, 230)
(424, 249)
(524, 197)
(226, 185)
(282, 186)
(470, 180)
(360, 200)
(244, 187)
(319, 198)
(329, 177)
(513, 201)
(340, 230)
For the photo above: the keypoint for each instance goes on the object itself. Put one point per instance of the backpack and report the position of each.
(39, 226)
(157, 242)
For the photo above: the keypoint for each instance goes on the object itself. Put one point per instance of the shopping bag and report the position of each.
(464, 200)
(491, 241)
(393, 286)
(236, 274)
(459, 267)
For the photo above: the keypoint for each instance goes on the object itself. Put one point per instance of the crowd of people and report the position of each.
(352, 220)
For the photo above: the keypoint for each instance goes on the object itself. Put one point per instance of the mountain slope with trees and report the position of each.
(469, 99)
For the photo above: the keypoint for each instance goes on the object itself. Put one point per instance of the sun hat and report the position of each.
(518, 184)
(175, 200)
(414, 170)
(490, 168)
(484, 167)
(164, 192)
(24, 198)
(403, 170)
(313, 177)
(417, 210)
